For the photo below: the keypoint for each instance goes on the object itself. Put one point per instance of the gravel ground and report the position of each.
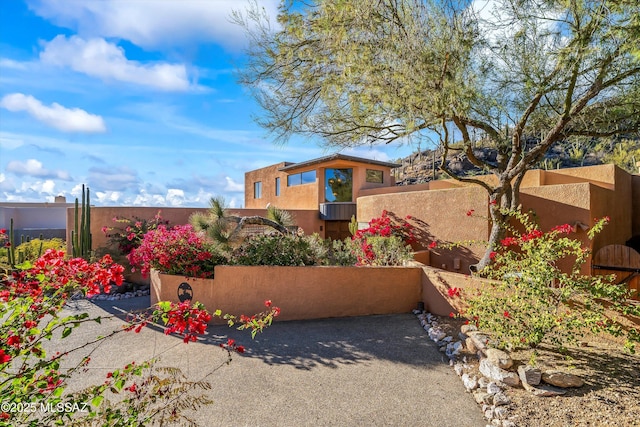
(609, 397)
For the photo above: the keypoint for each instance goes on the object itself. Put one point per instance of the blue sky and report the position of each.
(137, 99)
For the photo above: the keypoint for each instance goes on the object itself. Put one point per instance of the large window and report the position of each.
(277, 186)
(257, 190)
(338, 185)
(307, 177)
(374, 176)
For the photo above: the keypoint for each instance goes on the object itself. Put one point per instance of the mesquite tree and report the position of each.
(520, 75)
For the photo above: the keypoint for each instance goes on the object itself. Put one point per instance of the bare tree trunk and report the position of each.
(501, 199)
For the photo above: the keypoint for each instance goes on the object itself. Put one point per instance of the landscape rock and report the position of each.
(529, 374)
(562, 379)
(543, 390)
(496, 373)
(493, 388)
(500, 412)
(458, 368)
(465, 329)
(436, 334)
(483, 382)
(499, 358)
(500, 399)
(481, 397)
(470, 344)
(479, 340)
(470, 383)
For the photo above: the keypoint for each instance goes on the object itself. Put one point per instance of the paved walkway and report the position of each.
(373, 371)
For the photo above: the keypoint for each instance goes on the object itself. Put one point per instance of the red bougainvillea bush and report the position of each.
(384, 242)
(532, 300)
(176, 250)
(33, 381)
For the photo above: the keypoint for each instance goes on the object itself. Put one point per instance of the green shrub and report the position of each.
(273, 249)
(332, 252)
(533, 301)
(382, 251)
(32, 249)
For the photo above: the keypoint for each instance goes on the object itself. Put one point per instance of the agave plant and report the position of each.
(225, 228)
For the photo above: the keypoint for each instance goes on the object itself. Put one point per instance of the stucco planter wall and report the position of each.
(300, 292)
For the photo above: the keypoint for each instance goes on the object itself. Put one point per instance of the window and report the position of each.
(257, 190)
(338, 185)
(307, 177)
(277, 186)
(374, 176)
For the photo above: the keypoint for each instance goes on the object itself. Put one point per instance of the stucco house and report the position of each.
(328, 186)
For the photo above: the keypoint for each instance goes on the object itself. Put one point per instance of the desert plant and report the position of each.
(81, 234)
(176, 250)
(531, 300)
(274, 249)
(129, 232)
(225, 229)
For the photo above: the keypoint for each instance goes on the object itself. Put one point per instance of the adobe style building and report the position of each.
(328, 186)
(324, 193)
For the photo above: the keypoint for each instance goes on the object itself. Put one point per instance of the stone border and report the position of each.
(486, 374)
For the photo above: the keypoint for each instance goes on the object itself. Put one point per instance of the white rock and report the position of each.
(458, 368)
(470, 383)
(493, 388)
(499, 358)
(465, 329)
(495, 373)
(500, 399)
(500, 412)
(436, 334)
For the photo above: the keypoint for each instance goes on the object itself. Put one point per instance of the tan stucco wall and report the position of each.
(303, 196)
(440, 216)
(300, 292)
(601, 175)
(103, 216)
(307, 196)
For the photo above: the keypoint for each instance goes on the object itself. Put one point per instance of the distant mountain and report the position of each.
(418, 167)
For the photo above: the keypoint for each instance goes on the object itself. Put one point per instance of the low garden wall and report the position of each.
(300, 292)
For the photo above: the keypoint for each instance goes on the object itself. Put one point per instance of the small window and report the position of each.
(257, 190)
(374, 176)
(307, 177)
(277, 186)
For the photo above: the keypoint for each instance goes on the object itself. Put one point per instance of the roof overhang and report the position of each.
(333, 157)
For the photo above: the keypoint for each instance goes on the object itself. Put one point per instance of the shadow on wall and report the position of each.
(445, 256)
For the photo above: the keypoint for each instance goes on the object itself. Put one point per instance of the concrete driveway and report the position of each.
(374, 371)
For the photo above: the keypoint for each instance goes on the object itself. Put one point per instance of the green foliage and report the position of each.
(383, 251)
(520, 75)
(532, 300)
(81, 234)
(33, 249)
(273, 249)
(280, 216)
(332, 252)
(225, 229)
(353, 225)
(625, 154)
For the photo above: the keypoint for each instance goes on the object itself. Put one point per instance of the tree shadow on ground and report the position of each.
(600, 367)
(338, 341)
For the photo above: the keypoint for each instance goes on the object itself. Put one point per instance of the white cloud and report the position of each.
(233, 186)
(107, 197)
(10, 63)
(175, 197)
(9, 143)
(57, 116)
(98, 58)
(155, 25)
(33, 167)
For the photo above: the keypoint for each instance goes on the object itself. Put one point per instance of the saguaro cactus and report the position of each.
(11, 250)
(81, 235)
